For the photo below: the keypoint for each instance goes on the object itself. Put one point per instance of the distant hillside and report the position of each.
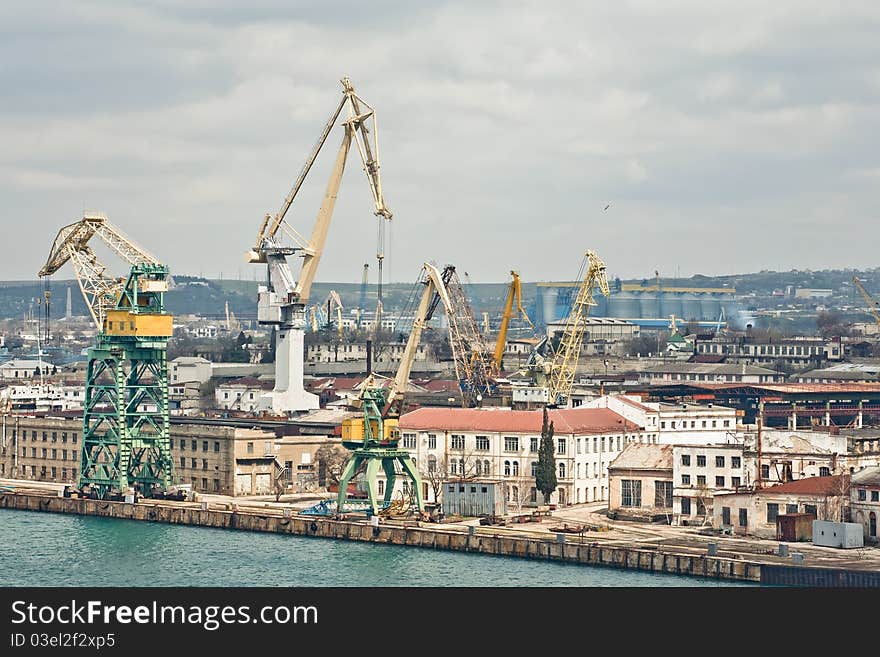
(196, 295)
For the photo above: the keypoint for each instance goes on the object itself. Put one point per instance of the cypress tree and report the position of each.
(545, 477)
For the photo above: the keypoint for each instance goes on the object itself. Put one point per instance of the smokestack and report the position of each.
(69, 314)
(369, 357)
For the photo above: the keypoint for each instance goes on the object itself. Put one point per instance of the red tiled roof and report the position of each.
(565, 421)
(834, 485)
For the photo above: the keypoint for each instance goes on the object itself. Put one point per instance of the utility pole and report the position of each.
(760, 420)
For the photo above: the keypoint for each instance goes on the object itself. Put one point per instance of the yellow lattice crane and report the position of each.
(514, 292)
(872, 304)
(565, 360)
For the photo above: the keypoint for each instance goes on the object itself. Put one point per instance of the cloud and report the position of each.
(720, 131)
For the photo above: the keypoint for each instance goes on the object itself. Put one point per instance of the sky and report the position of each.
(684, 137)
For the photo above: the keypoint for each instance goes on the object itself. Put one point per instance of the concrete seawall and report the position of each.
(558, 547)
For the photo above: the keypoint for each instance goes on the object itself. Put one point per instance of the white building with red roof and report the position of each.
(502, 445)
(674, 424)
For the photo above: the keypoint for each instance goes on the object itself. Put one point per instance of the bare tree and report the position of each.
(331, 460)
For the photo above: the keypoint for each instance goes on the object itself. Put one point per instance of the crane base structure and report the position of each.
(126, 427)
(374, 440)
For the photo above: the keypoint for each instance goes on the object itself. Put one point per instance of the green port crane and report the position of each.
(126, 424)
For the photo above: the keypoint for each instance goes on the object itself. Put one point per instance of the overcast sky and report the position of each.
(726, 137)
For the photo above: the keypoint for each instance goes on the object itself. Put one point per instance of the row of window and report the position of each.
(683, 424)
(483, 467)
(195, 445)
(44, 453)
(631, 493)
(511, 443)
(735, 461)
(67, 474)
(45, 436)
(735, 482)
(195, 463)
(863, 495)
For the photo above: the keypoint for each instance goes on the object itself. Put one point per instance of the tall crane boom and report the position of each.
(72, 243)
(514, 292)
(373, 438)
(283, 302)
(562, 369)
(872, 304)
(469, 350)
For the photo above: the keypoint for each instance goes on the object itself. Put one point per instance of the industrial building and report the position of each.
(635, 302)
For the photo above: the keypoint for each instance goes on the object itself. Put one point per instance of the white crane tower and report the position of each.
(282, 303)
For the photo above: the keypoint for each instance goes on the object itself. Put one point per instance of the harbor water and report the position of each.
(47, 549)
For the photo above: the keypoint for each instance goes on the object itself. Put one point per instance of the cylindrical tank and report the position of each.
(690, 307)
(625, 304)
(548, 304)
(648, 305)
(710, 307)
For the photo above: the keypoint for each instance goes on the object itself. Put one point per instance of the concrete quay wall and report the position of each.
(559, 547)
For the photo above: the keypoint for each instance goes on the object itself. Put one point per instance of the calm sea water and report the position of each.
(47, 549)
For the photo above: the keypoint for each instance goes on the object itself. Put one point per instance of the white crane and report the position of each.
(282, 304)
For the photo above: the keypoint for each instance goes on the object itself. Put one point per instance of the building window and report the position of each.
(216, 445)
(432, 441)
(743, 517)
(562, 470)
(791, 508)
(533, 445)
(578, 446)
(515, 469)
(483, 443)
(685, 480)
(511, 444)
(685, 506)
(409, 441)
(195, 445)
(701, 480)
(602, 443)
(719, 482)
(685, 459)
(182, 461)
(619, 446)
(663, 494)
(457, 441)
(863, 495)
(735, 462)
(204, 445)
(875, 495)
(630, 492)
(380, 485)
(735, 482)
(561, 446)
(44, 453)
(765, 472)
(507, 468)
(194, 463)
(701, 460)
(772, 512)
(453, 468)
(432, 463)
(823, 471)
(534, 468)
(250, 448)
(54, 436)
(73, 437)
(663, 425)
(205, 466)
(182, 443)
(487, 470)
(479, 469)
(725, 515)
(704, 424)
(719, 461)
